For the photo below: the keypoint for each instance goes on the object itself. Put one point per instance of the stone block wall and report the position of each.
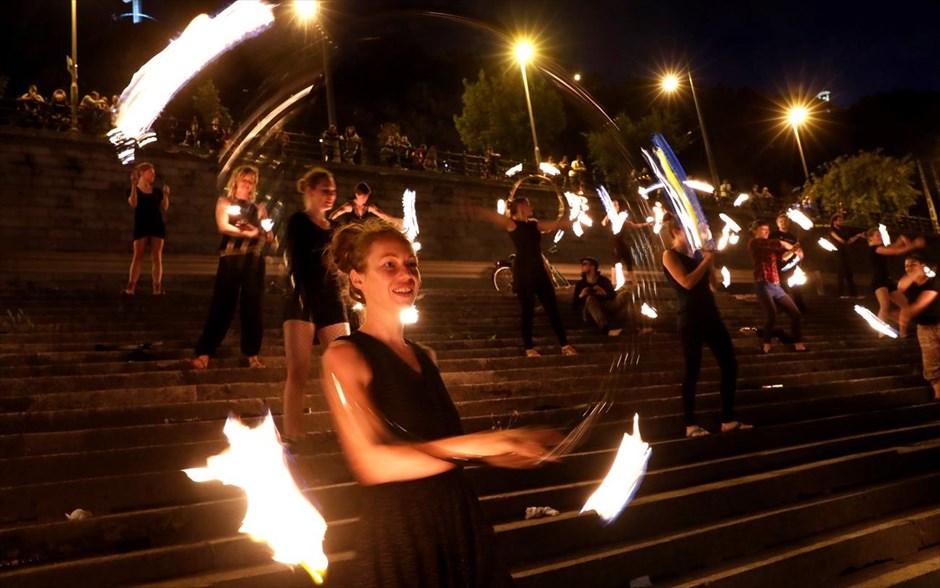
(67, 192)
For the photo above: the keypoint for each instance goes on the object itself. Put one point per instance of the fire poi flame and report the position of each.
(647, 310)
(875, 322)
(798, 278)
(501, 206)
(624, 478)
(410, 222)
(278, 512)
(826, 244)
(700, 186)
(158, 81)
(725, 277)
(885, 238)
(799, 218)
(741, 199)
(618, 274)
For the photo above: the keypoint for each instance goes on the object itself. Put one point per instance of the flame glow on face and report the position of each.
(624, 478)
(278, 512)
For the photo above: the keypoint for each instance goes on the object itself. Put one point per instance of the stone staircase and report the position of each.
(838, 484)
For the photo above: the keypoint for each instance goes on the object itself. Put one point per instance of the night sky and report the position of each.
(850, 48)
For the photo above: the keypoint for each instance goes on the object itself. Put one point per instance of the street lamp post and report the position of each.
(670, 83)
(306, 10)
(72, 63)
(524, 53)
(796, 116)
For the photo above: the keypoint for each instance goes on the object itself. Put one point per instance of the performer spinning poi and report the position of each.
(421, 523)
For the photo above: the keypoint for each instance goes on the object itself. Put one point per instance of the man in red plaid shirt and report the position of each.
(765, 253)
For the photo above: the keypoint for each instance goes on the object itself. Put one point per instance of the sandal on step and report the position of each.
(255, 362)
(696, 432)
(532, 353)
(737, 426)
(568, 350)
(200, 363)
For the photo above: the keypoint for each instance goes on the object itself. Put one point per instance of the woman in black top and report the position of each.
(882, 284)
(313, 306)
(530, 275)
(149, 204)
(699, 322)
(842, 239)
(240, 275)
(359, 209)
(923, 309)
(421, 524)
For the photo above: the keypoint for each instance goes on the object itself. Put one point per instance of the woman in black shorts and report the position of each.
(149, 204)
(882, 284)
(313, 305)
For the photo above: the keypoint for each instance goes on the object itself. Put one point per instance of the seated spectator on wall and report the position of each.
(213, 137)
(352, 146)
(329, 145)
(93, 113)
(60, 110)
(430, 159)
(390, 152)
(418, 155)
(404, 150)
(576, 173)
(193, 134)
(490, 161)
(31, 105)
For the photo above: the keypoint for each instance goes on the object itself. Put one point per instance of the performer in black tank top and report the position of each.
(882, 284)
(239, 279)
(698, 323)
(149, 204)
(402, 437)
(359, 209)
(313, 305)
(529, 273)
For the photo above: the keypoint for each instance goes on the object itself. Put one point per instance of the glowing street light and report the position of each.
(577, 77)
(307, 10)
(670, 83)
(796, 116)
(524, 52)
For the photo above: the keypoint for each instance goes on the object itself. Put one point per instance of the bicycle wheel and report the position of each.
(502, 280)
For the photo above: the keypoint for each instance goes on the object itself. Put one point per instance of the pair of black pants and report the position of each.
(845, 276)
(771, 302)
(239, 280)
(542, 287)
(712, 332)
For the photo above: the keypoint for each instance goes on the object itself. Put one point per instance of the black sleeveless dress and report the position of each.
(528, 268)
(312, 291)
(148, 218)
(420, 533)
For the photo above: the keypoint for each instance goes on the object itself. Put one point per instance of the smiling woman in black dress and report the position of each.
(421, 523)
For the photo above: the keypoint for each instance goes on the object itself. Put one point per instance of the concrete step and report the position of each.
(830, 555)
(193, 523)
(917, 570)
(706, 547)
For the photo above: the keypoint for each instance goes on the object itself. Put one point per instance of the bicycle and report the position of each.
(502, 274)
